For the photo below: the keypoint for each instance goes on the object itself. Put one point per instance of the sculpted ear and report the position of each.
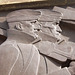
(19, 26)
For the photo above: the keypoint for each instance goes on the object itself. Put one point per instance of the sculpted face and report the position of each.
(24, 26)
(32, 22)
(23, 20)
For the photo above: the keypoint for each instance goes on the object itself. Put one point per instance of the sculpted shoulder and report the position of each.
(8, 56)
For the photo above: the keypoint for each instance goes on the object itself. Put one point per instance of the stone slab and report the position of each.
(17, 4)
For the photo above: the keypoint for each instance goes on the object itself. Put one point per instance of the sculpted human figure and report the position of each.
(32, 46)
(68, 18)
(61, 51)
(20, 24)
(50, 49)
(17, 55)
